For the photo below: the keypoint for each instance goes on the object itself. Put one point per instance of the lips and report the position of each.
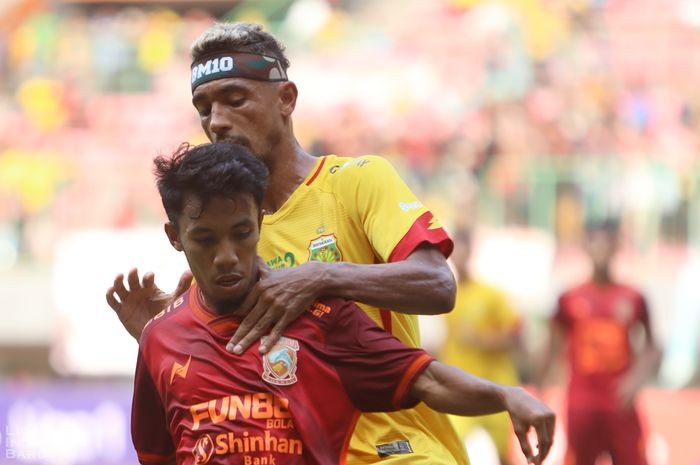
(228, 280)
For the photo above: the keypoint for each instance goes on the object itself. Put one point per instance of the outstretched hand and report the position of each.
(527, 412)
(142, 300)
(278, 299)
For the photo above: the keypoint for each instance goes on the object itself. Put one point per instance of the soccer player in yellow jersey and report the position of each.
(333, 226)
(482, 333)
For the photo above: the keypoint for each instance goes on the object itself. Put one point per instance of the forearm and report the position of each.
(406, 286)
(450, 390)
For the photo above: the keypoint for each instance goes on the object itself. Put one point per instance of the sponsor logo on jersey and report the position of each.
(319, 310)
(249, 449)
(280, 363)
(180, 370)
(257, 406)
(203, 450)
(180, 300)
(283, 261)
(325, 249)
(394, 448)
(408, 206)
(360, 163)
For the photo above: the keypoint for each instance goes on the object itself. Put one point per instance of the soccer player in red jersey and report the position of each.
(197, 403)
(599, 320)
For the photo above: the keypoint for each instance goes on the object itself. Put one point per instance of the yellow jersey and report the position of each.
(482, 309)
(360, 211)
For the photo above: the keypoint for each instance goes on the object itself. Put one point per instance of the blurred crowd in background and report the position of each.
(518, 119)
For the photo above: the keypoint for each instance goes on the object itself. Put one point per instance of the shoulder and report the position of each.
(574, 292)
(167, 321)
(628, 289)
(631, 293)
(348, 171)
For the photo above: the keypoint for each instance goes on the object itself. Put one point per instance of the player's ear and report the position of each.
(287, 97)
(173, 236)
(261, 213)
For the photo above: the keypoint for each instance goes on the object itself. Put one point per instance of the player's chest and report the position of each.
(618, 310)
(326, 234)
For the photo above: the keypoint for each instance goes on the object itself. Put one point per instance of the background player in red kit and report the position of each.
(195, 402)
(599, 320)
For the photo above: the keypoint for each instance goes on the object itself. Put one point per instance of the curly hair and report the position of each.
(219, 169)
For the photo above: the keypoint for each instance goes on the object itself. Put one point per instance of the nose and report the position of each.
(226, 257)
(219, 123)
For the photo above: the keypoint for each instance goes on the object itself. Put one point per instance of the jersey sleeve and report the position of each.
(376, 369)
(394, 220)
(149, 430)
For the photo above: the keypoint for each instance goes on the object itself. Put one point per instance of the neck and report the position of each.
(602, 276)
(287, 171)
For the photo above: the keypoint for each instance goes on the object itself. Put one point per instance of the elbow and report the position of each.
(445, 292)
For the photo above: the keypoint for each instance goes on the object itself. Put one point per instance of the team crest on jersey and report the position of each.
(325, 249)
(280, 363)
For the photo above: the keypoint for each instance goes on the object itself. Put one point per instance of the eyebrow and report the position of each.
(224, 88)
(204, 229)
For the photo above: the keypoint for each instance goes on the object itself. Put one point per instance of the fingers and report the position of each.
(545, 433)
(274, 335)
(521, 434)
(252, 317)
(112, 301)
(184, 283)
(253, 327)
(133, 279)
(148, 280)
(118, 287)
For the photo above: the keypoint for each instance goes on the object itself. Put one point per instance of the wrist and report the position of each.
(505, 393)
(322, 274)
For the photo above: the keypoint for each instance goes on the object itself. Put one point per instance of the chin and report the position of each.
(228, 305)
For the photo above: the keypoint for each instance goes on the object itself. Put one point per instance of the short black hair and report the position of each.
(611, 226)
(219, 169)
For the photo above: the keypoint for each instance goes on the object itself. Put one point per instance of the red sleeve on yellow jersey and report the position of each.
(423, 231)
(394, 221)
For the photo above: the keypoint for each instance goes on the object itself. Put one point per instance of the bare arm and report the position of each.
(422, 283)
(644, 367)
(551, 352)
(450, 390)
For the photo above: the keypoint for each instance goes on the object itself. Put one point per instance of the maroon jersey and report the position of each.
(298, 404)
(597, 319)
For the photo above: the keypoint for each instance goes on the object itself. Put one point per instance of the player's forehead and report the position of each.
(222, 210)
